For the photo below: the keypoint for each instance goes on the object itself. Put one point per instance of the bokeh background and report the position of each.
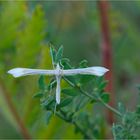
(26, 28)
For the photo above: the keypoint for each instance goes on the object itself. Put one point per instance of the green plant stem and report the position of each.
(75, 86)
(90, 96)
(110, 107)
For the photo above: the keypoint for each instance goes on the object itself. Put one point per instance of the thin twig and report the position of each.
(92, 97)
(110, 107)
(82, 91)
(14, 112)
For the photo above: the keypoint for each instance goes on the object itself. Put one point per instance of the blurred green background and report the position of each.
(26, 28)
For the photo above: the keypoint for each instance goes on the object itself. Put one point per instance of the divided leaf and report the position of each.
(65, 63)
(41, 82)
(56, 55)
(53, 55)
(83, 64)
(59, 55)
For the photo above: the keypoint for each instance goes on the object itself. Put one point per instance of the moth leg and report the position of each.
(58, 89)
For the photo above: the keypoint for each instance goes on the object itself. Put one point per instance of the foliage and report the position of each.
(75, 100)
(26, 27)
(130, 124)
(22, 36)
(75, 97)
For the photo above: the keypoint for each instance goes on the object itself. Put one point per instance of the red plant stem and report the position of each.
(107, 52)
(13, 110)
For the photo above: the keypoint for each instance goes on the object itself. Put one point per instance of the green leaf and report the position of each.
(105, 97)
(71, 79)
(53, 55)
(138, 110)
(59, 54)
(103, 85)
(41, 82)
(38, 95)
(69, 91)
(52, 84)
(47, 102)
(129, 118)
(83, 64)
(65, 102)
(80, 102)
(121, 108)
(117, 131)
(65, 63)
(65, 60)
(84, 79)
(48, 116)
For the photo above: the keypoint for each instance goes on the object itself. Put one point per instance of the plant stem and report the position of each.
(92, 97)
(110, 107)
(81, 90)
(103, 6)
(14, 112)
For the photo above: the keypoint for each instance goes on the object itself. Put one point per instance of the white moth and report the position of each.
(58, 72)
